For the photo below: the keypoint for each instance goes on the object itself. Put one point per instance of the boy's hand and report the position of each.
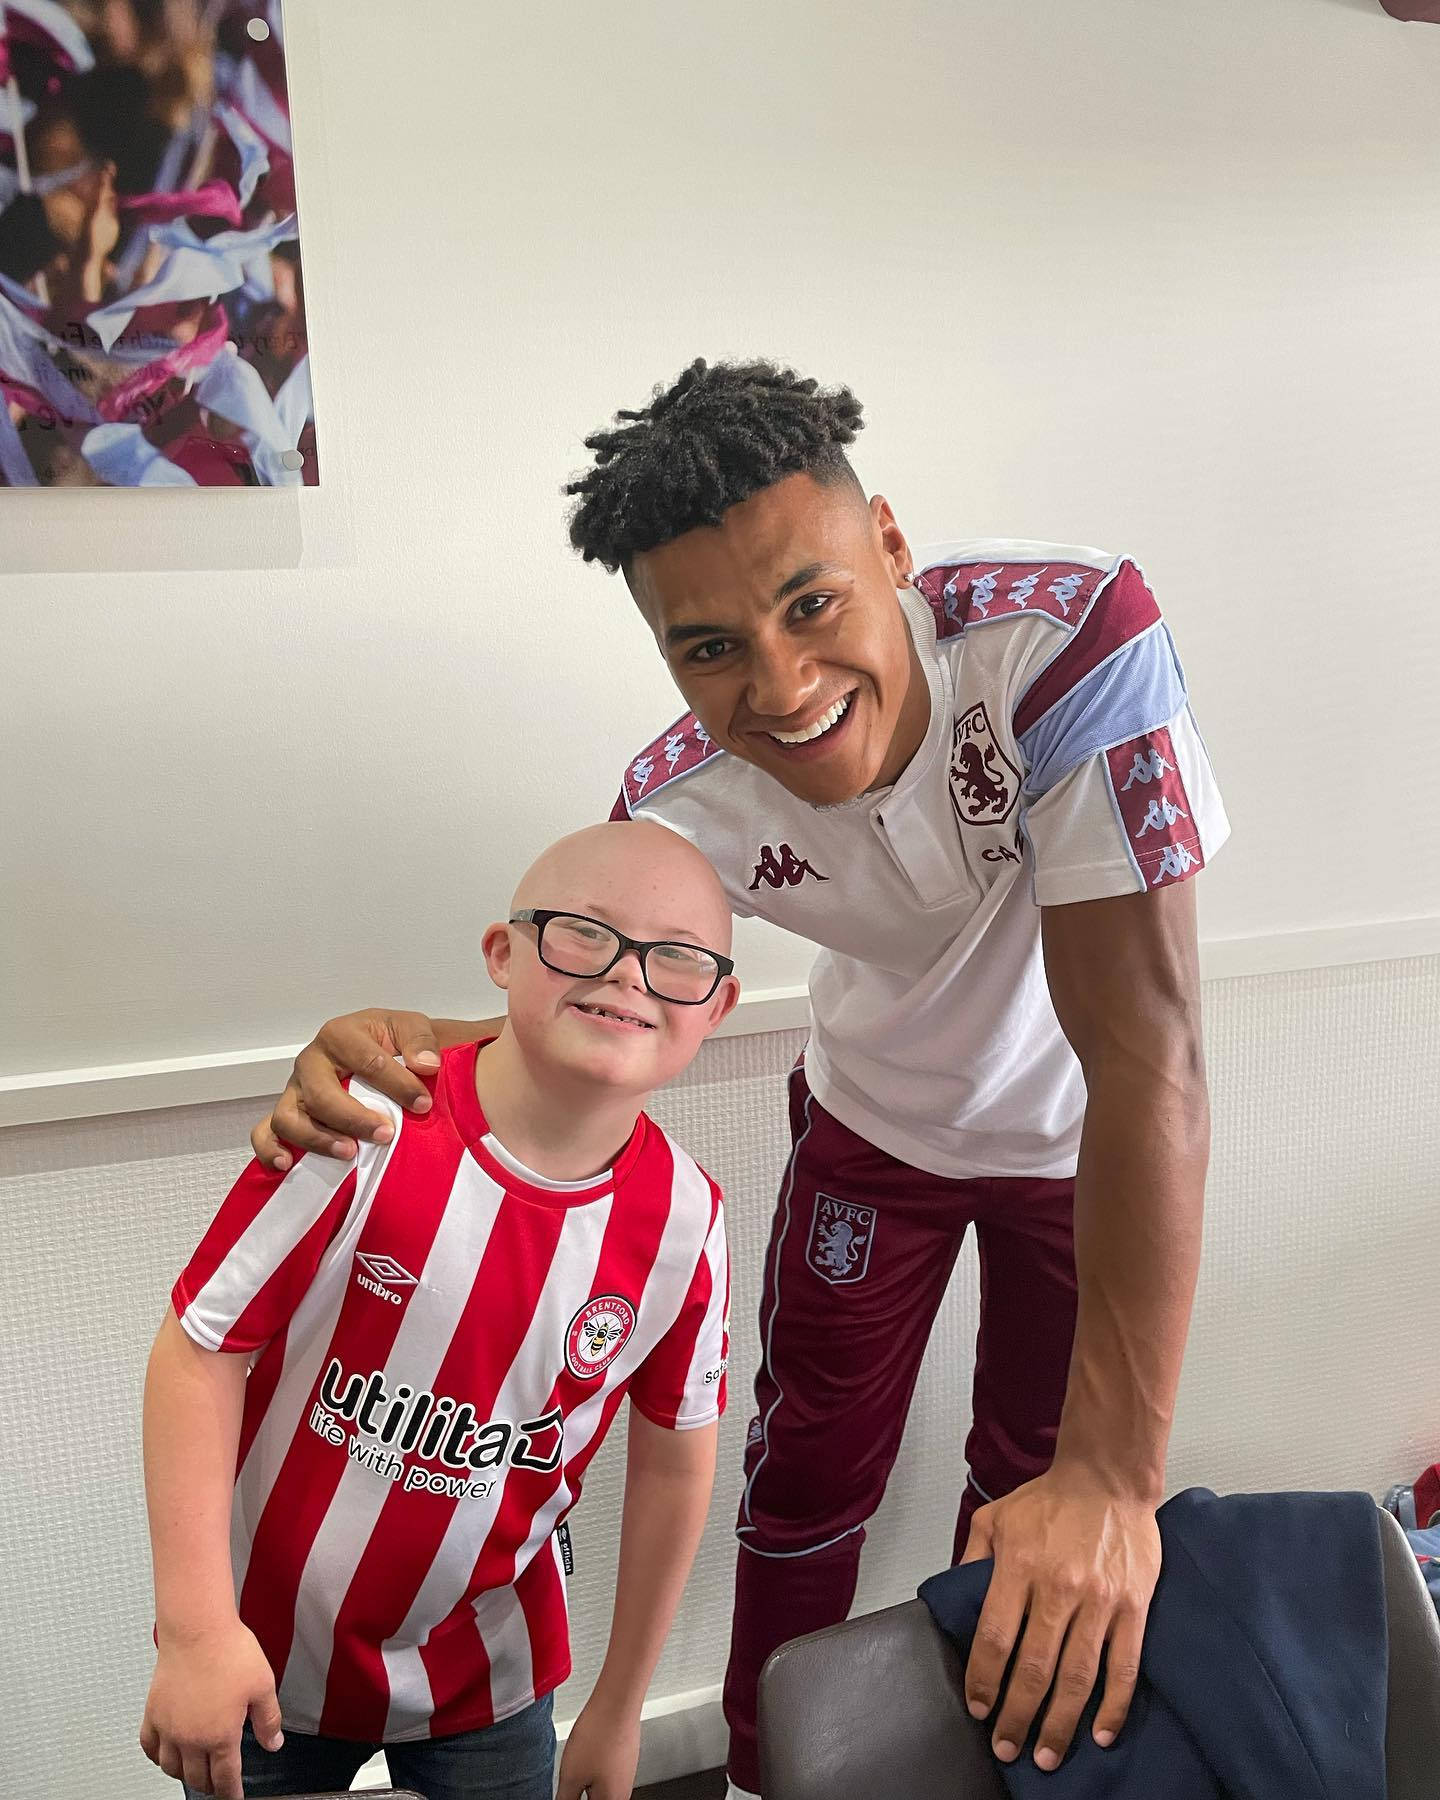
(601, 1755)
(202, 1689)
(316, 1113)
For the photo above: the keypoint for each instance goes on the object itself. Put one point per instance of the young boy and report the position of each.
(381, 1382)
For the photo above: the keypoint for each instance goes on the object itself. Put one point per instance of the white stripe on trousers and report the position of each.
(775, 1308)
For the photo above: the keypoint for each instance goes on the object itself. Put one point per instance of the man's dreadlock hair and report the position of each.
(717, 435)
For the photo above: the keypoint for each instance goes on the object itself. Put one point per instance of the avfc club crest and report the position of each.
(984, 783)
(597, 1335)
(840, 1240)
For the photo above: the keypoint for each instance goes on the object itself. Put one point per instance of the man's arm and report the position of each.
(1078, 1552)
(668, 1480)
(209, 1671)
(316, 1113)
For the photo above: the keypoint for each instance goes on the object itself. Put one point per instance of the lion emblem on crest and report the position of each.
(984, 783)
(840, 1238)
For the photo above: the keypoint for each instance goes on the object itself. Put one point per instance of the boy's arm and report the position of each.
(209, 1671)
(193, 1402)
(668, 1480)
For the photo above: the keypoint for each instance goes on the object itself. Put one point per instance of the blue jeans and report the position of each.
(514, 1760)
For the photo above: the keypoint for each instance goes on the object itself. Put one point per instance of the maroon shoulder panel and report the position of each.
(967, 593)
(674, 753)
(1122, 609)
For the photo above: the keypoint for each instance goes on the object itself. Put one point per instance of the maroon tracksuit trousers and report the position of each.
(860, 1255)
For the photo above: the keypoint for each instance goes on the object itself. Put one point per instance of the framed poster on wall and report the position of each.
(152, 303)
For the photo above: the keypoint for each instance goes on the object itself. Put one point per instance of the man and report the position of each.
(974, 781)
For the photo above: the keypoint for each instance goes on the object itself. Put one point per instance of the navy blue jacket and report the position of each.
(1264, 1671)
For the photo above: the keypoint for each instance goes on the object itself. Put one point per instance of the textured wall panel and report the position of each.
(1308, 1364)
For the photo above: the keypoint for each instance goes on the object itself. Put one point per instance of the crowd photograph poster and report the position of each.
(152, 308)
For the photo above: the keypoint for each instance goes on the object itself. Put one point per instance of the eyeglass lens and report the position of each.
(578, 946)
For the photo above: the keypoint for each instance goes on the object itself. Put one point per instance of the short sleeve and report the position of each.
(257, 1261)
(681, 1384)
(1119, 795)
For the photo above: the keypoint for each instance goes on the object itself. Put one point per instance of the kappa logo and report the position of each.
(950, 597)
(840, 1239)
(598, 1333)
(982, 592)
(1176, 861)
(1160, 814)
(1151, 766)
(382, 1275)
(1022, 592)
(1164, 839)
(685, 746)
(1064, 589)
(783, 868)
(984, 783)
(974, 593)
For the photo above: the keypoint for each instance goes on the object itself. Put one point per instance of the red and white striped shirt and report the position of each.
(440, 1340)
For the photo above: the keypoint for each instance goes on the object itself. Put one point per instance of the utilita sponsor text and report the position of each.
(398, 1433)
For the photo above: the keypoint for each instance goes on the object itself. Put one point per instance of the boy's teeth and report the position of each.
(818, 729)
(604, 1012)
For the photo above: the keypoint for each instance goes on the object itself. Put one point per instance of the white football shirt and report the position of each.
(1061, 763)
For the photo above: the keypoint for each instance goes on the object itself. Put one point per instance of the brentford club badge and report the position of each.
(597, 1335)
(984, 783)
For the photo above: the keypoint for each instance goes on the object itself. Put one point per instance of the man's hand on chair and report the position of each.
(1075, 1569)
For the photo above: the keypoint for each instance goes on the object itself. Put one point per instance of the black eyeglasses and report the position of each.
(572, 944)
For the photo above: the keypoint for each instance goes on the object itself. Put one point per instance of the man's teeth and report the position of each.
(605, 1012)
(818, 729)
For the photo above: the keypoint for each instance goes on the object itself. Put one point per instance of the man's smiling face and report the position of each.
(783, 630)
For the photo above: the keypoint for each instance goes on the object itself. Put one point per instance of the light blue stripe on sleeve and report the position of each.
(1139, 688)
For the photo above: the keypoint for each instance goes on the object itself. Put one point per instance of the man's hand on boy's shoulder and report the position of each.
(316, 1113)
(203, 1689)
(601, 1756)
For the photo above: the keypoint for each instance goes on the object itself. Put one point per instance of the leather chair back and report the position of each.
(877, 1706)
(373, 1794)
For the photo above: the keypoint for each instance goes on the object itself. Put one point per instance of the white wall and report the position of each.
(1160, 277)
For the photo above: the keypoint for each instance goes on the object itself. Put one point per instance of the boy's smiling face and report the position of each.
(650, 884)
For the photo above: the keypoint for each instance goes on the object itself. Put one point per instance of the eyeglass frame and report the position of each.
(540, 917)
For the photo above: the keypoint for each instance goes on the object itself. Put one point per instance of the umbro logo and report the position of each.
(380, 1270)
(782, 868)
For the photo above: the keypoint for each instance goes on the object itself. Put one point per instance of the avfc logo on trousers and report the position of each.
(840, 1238)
